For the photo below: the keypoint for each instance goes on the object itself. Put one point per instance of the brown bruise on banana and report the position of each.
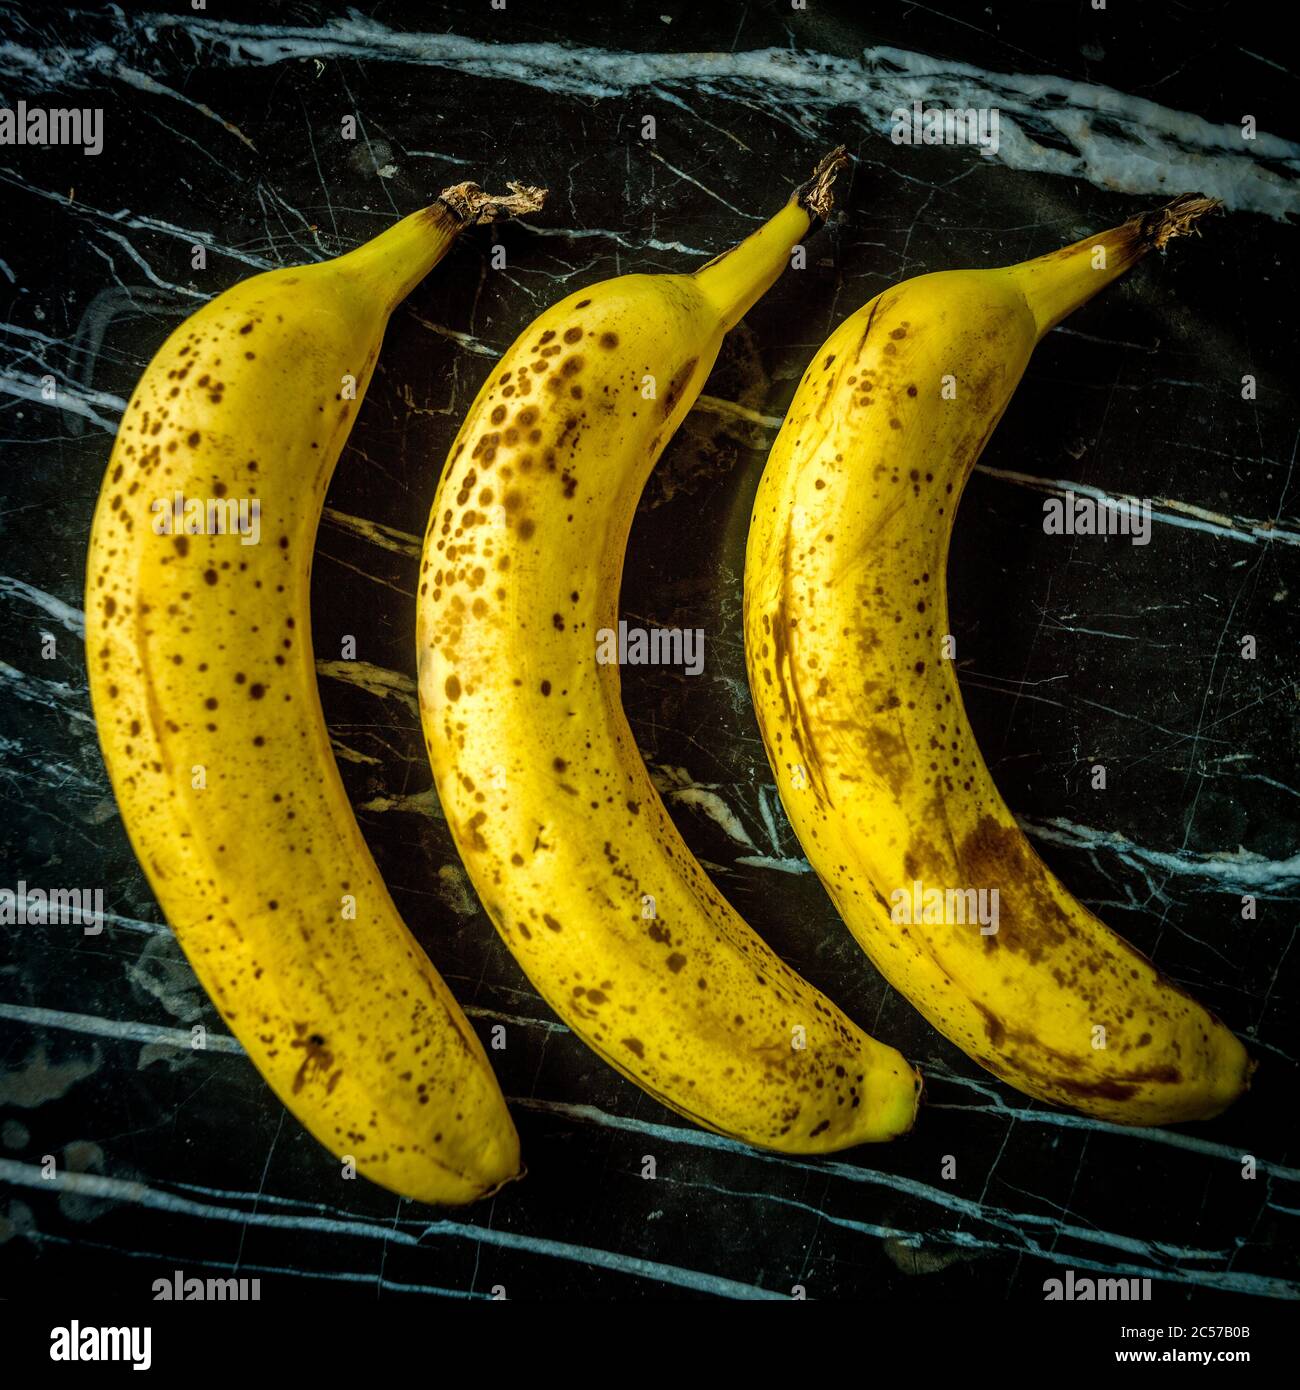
(843, 640)
(199, 652)
(541, 482)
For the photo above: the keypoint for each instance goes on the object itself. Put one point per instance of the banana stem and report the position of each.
(817, 195)
(1056, 285)
(734, 281)
(471, 204)
(398, 259)
(1178, 218)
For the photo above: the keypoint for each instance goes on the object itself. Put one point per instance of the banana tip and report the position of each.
(1248, 1073)
(493, 1188)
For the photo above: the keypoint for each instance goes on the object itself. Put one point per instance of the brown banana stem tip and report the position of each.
(1174, 219)
(471, 205)
(815, 196)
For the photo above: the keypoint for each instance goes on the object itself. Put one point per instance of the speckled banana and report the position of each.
(845, 625)
(567, 842)
(199, 650)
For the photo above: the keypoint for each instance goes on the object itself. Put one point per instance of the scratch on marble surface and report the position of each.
(169, 1259)
(1012, 1231)
(136, 222)
(995, 1102)
(704, 188)
(1004, 685)
(1012, 1223)
(1258, 1285)
(1168, 510)
(141, 1194)
(619, 238)
(1173, 513)
(185, 291)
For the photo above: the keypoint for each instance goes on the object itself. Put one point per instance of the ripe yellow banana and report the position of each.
(198, 642)
(565, 838)
(845, 619)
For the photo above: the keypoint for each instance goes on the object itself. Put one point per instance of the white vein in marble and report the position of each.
(1114, 140)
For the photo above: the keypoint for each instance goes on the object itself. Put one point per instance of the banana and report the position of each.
(845, 621)
(199, 651)
(565, 838)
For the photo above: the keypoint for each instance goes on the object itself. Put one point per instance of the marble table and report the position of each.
(224, 131)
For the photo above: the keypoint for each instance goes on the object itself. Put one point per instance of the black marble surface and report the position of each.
(224, 128)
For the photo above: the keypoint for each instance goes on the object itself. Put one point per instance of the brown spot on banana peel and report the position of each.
(316, 1055)
(994, 853)
(830, 389)
(1014, 1071)
(1003, 856)
(1075, 1092)
(888, 755)
(677, 386)
(796, 711)
(1030, 920)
